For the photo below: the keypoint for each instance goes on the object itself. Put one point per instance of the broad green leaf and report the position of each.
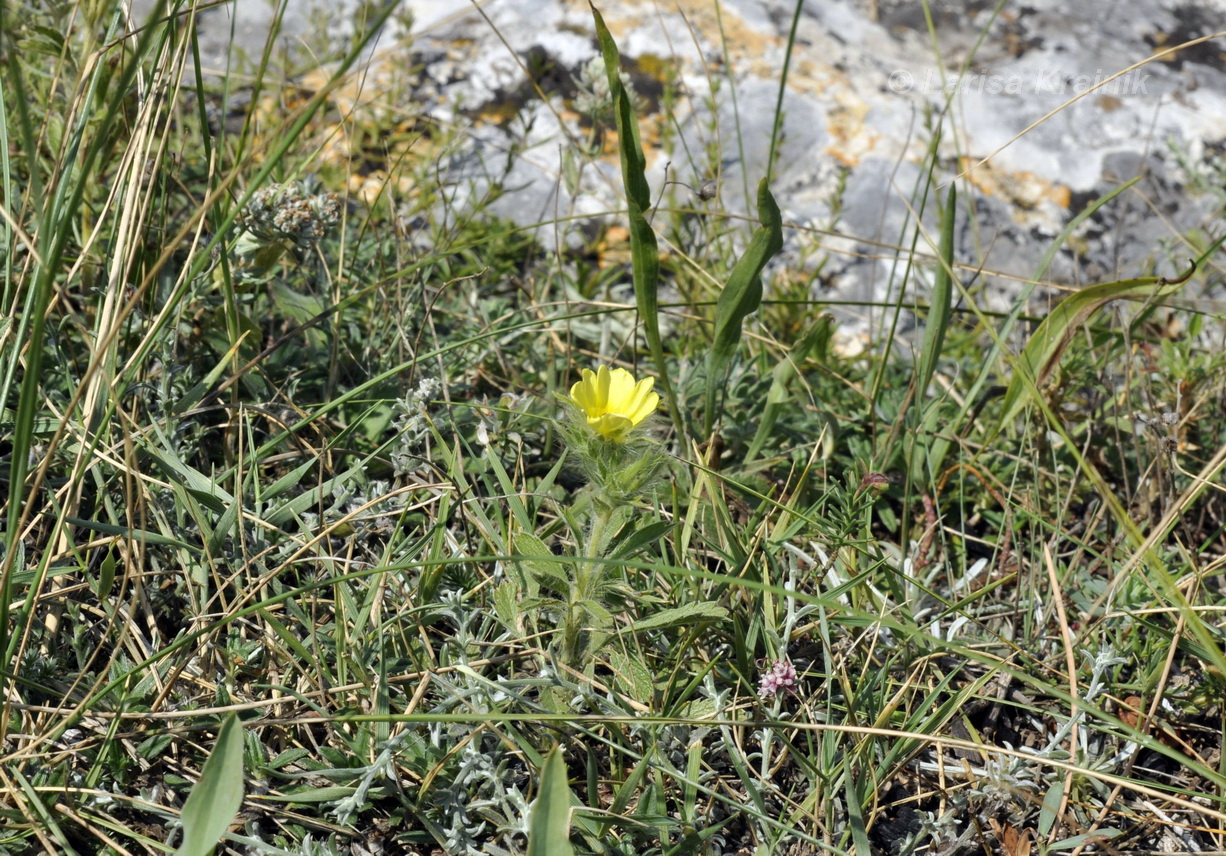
(215, 800)
(527, 544)
(152, 747)
(740, 297)
(633, 675)
(681, 615)
(621, 519)
(299, 306)
(287, 757)
(106, 576)
(549, 825)
(507, 605)
(693, 774)
(1050, 808)
(652, 533)
(547, 567)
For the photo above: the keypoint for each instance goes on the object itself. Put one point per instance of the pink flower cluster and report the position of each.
(780, 676)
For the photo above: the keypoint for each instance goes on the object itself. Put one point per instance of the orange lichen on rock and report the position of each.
(1024, 189)
(850, 138)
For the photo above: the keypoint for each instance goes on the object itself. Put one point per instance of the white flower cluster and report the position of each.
(593, 99)
(288, 211)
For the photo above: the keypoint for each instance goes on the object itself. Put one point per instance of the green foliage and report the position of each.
(816, 341)
(319, 475)
(1040, 358)
(940, 306)
(644, 248)
(216, 797)
(549, 829)
(740, 297)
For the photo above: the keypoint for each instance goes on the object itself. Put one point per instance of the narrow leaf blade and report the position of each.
(940, 302)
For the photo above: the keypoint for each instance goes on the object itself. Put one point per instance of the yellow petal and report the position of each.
(642, 402)
(648, 407)
(621, 386)
(603, 381)
(611, 425)
(583, 392)
(612, 401)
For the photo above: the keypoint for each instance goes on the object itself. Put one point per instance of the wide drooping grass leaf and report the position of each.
(1038, 360)
(988, 371)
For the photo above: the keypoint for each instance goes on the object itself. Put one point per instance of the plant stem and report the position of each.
(589, 576)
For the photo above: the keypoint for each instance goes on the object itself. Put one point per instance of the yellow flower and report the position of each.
(612, 402)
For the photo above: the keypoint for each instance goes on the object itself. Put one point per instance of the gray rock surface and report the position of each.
(867, 84)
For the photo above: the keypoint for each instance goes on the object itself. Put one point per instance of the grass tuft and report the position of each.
(289, 493)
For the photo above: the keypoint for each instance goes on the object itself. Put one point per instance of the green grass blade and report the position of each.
(741, 296)
(816, 339)
(854, 780)
(1072, 226)
(8, 282)
(777, 125)
(940, 303)
(940, 445)
(925, 413)
(143, 536)
(644, 249)
(549, 828)
(215, 799)
(54, 226)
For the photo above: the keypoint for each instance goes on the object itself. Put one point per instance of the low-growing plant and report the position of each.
(333, 500)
